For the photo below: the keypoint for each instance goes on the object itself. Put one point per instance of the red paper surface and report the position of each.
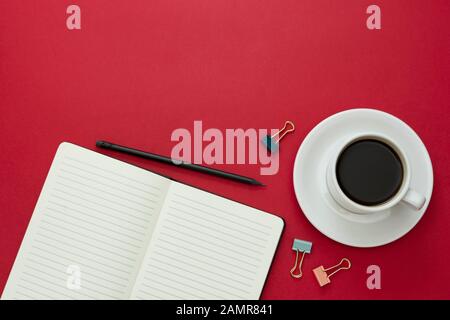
(139, 69)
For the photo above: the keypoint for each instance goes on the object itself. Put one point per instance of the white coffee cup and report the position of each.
(404, 193)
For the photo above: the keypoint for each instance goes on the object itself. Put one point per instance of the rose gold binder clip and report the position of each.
(321, 274)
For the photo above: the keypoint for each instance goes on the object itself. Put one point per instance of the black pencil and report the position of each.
(167, 160)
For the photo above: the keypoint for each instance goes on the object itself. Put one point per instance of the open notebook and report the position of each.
(133, 234)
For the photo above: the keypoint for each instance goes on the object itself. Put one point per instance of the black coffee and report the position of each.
(369, 172)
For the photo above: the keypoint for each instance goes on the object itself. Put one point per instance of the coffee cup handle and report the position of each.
(414, 199)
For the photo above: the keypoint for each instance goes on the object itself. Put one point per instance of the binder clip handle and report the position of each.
(340, 266)
(288, 127)
(300, 273)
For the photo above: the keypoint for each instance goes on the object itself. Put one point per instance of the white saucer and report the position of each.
(324, 213)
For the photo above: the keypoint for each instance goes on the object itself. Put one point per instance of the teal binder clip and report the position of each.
(303, 247)
(271, 142)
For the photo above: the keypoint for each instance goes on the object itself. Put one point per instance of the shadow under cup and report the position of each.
(369, 172)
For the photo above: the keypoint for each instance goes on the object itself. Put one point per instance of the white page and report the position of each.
(207, 247)
(94, 213)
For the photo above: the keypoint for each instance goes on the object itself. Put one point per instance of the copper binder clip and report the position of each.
(321, 274)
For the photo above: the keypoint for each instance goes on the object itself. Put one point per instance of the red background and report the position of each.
(140, 69)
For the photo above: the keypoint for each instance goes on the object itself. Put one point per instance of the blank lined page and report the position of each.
(207, 247)
(92, 222)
